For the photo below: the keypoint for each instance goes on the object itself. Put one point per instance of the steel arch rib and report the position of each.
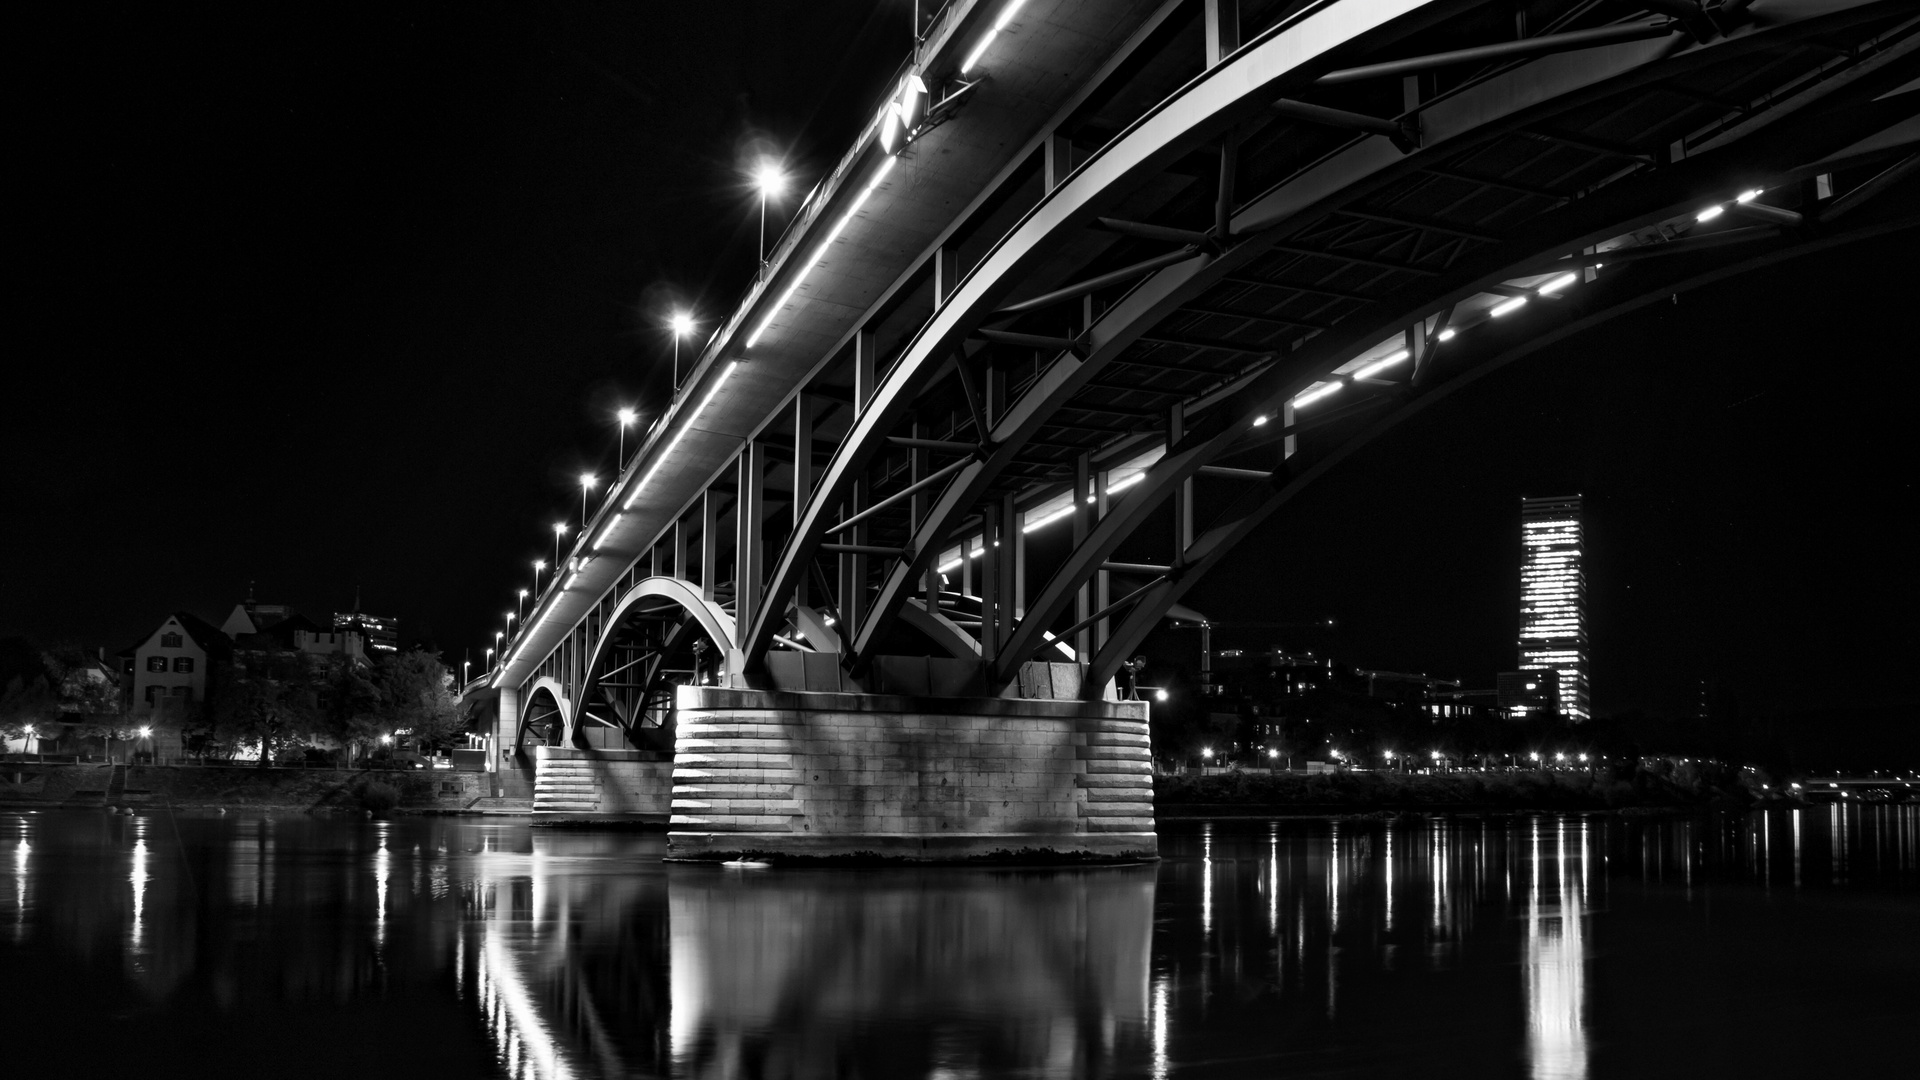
(711, 616)
(1210, 102)
(1218, 541)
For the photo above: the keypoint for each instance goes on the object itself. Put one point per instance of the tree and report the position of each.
(416, 695)
(268, 696)
(351, 707)
(27, 701)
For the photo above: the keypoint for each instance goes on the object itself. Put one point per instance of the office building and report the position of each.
(1553, 599)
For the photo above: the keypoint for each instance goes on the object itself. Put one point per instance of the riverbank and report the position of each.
(1261, 793)
(238, 787)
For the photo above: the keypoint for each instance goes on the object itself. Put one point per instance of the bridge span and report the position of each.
(1099, 289)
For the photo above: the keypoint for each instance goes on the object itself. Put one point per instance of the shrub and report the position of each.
(379, 796)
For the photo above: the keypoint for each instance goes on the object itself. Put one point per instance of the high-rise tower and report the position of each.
(1553, 599)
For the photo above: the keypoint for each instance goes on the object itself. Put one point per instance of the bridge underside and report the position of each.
(977, 457)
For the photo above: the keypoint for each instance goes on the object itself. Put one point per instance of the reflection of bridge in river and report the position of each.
(1452, 947)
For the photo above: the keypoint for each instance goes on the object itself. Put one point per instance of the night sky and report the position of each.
(331, 299)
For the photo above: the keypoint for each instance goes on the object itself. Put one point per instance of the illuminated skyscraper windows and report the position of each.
(1553, 599)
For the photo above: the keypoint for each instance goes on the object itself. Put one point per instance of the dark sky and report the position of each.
(328, 298)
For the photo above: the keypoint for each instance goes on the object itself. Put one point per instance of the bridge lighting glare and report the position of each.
(1260, 421)
(681, 434)
(523, 594)
(1380, 365)
(886, 166)
(1747, 196)
(1558, 283)
(559, 529)
(626, 417)
(1034, 526)
(1709, 213)
(587, 480)
(1509, 307)
(1159, 695)
(769, 180)
(1318, 392)
(682, 324)
(539, 565)
(999, 24)
(1448, 334)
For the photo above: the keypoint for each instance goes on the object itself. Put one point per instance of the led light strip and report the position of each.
(999, 24)
(886, 166)
(675, 441)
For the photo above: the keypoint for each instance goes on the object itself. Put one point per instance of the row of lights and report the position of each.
(1504, 308)
(900, 117)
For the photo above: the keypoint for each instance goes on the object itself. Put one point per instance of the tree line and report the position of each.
(279, 700)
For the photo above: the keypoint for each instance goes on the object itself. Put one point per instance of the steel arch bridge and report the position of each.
(1103, 287)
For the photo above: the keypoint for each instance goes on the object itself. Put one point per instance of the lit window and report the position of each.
(156, 663)
(183, 663)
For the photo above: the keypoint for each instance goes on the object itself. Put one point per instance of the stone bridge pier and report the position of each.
(767, 772)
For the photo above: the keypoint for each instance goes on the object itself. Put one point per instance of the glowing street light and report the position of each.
(1206, 752)
(559, 530)
(587, 483)
(770, 182)
(682, 322)
(489, 664)
(523, 595)
(626, 418)
(466, 672)
(539, 565)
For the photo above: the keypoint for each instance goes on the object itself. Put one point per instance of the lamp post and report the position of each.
(770, 182)
(523, 598)
(538, 565)
(682, 323)
(509, 624)
(559, 530)
(489, 663)
(466, 672)
(626, 418)
(146, 736)
(587, 482)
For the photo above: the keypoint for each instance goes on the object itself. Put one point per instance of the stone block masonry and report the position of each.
(571, 782)
(917, 778)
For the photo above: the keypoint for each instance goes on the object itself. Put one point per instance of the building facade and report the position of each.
(1553, 599)
(166, 673)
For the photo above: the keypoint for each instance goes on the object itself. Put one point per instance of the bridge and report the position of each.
(1099, 289)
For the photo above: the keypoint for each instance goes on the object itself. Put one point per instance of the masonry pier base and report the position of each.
(789, 775)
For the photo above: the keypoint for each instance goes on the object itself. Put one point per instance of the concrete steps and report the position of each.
(563, 786)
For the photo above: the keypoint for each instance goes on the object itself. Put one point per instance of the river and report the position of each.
(1784, 943)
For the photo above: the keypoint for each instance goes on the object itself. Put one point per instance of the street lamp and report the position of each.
(587, 482)
(559, 530)
(682, 323)
(489, 661)
(523, 597)
(770, 182)
(626, 418)
(466, 672)
(539, 565)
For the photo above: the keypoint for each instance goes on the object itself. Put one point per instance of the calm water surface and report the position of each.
(1777, 944)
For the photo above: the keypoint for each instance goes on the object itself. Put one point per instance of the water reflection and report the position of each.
(1555, 947)
(1555, 961)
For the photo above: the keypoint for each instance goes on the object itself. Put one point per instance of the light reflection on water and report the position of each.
(1557, 947)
